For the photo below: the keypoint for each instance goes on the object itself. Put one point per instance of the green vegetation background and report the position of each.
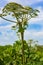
(12, 54)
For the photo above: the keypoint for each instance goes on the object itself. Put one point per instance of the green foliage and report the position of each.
(12, 54)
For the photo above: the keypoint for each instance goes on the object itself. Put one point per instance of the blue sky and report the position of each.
(35, 29)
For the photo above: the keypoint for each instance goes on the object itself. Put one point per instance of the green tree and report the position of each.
(22, 14)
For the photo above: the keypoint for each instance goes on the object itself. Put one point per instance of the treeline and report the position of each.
(12, 54)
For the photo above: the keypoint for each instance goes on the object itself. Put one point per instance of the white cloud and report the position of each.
(8, 36)
(25, 2)
(7, 27)
(34, 35)
(38, 34)
(17, 1)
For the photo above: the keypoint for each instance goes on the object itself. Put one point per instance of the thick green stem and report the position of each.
(22, 38)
